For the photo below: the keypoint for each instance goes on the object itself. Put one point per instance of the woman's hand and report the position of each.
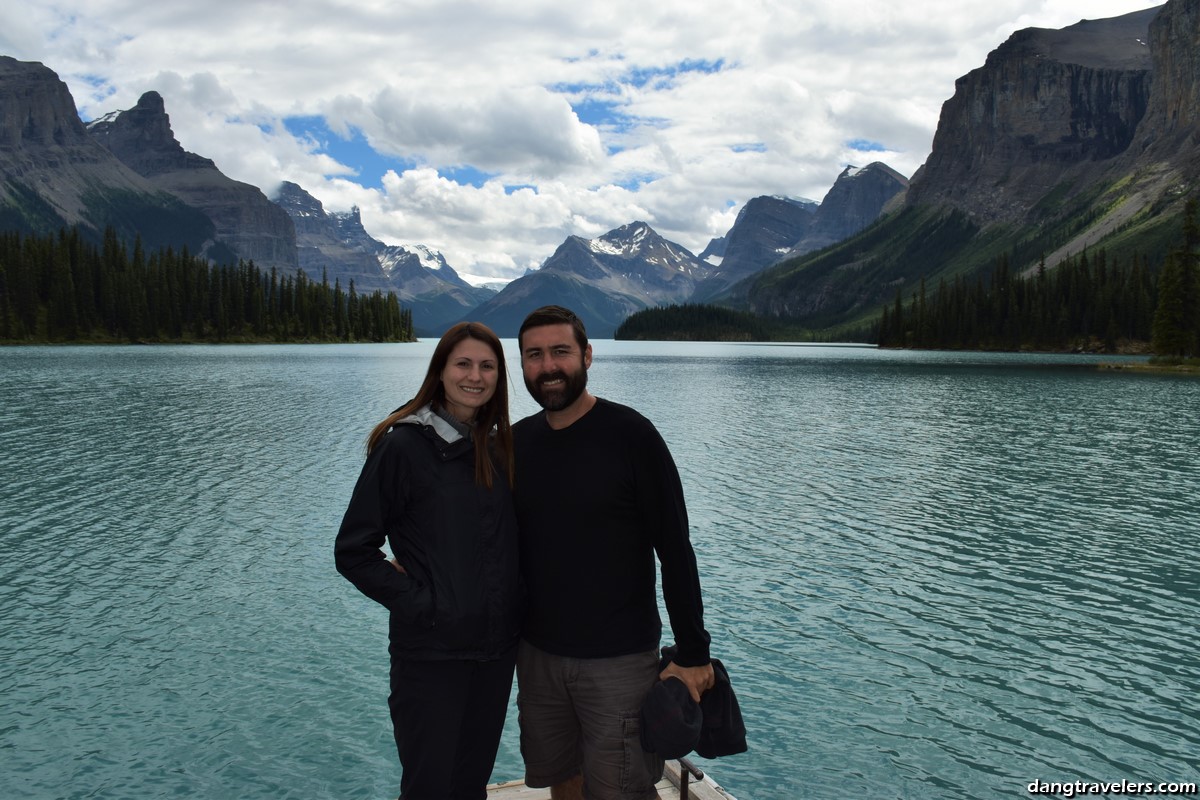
(396, 564)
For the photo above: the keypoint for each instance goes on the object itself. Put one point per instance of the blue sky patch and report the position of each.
(96, 81)
(601, 113)
(665, 76)
(354, 152)
(866, 146)
(465, 175)
(595, 104)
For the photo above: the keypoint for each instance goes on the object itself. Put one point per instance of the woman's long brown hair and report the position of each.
(494, 414)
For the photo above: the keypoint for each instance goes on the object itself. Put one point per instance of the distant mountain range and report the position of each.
(1063, 139)
(127, 170)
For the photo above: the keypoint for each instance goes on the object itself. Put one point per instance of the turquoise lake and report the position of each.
(930, 575)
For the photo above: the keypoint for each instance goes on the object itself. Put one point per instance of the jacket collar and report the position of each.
(426, 416)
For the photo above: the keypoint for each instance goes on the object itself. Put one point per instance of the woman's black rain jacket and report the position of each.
(459, 597)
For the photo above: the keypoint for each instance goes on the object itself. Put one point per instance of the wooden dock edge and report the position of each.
(706, 789)
(668, 788)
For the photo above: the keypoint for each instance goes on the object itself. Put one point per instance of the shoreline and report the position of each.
(1154, 369)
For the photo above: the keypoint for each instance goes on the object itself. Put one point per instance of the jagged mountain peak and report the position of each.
(852, 171)
(640, 243)
(625, 240)
(774, 205)
(418, 255)
(142, 138)
(351, 217)
(430, 259)
(714, 251)
(38, 110)
(54, 173)
(604, 279)
(296, 201)
(246, 221)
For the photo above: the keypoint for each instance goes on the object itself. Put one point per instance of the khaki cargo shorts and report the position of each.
(580, 715)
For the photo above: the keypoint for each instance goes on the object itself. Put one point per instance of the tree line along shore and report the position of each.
(65, 289)
(1087, 303)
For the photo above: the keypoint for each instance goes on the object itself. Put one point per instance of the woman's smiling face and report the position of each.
(469, 378)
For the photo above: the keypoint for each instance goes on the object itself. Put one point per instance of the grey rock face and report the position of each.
(45, 148)
(764, 232)
(603, 280)
(1046, 107)
(246, 221)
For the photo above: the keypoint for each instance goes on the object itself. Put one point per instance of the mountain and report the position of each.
(603, 280)
(56, 175)
(253, 227)
(714, 251)
(127, 170)
(132, 157)
(1083, 137)
(394, 256)
(1063, 140)
(857, 198)
(770, 229)
(1170, 131)
(763, 233)
(428, 285)
(1047, 107)
(337, 247)
(338, 252)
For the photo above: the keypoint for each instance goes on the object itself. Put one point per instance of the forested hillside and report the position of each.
(1086, 303)
(64, 289)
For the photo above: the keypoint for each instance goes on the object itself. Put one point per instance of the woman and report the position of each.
(437, 487)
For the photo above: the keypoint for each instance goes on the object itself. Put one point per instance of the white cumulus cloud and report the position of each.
(506, 127)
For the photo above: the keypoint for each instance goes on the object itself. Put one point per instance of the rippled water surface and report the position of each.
(929, 574)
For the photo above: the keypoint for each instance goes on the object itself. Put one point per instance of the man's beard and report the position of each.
(558, 399)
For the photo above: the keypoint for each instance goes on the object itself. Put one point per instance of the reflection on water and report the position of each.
(930, 574)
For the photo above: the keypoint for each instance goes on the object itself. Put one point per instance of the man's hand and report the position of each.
(396, 564)
(698, 680)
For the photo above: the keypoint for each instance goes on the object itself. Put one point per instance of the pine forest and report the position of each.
(63, 288)
(1085, 303)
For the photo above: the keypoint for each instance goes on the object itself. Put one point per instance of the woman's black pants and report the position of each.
(447, 717)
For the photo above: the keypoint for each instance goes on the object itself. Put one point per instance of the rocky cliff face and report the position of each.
(771, 229)
(1083, 137)
(764, 232)
(604, 280)
(54, 173)
(338, 247)
(325, 250)
(246, 221)
(1045, 108)
(1170, 130)
(428, 285)
(855, 200)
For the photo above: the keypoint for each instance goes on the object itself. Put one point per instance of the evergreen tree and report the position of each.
(1176, 327)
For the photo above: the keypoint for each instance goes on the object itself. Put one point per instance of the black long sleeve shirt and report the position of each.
(595, 502)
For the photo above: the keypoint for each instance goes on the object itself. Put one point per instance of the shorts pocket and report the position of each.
(639, 770)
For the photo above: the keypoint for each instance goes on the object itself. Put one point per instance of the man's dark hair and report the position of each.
(554, 315)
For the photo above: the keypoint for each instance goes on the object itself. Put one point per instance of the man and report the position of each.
(597, 496)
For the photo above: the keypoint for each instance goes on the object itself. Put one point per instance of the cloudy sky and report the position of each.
(491, 131)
